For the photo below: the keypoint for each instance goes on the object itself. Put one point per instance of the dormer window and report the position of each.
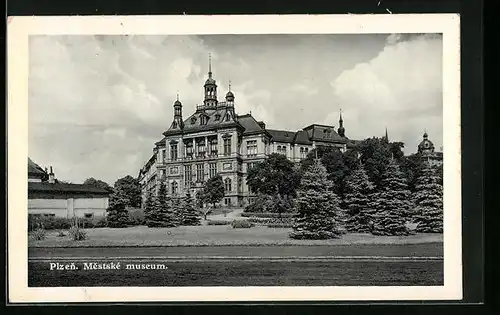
(203, 120)
(228, 117)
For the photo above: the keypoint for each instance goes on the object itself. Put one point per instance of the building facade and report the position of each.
(48, 197)
(215, 140)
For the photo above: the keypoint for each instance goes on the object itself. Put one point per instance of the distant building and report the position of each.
(215, 140)
(427, 151)
(48, 197)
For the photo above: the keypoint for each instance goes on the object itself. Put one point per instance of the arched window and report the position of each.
(175, 188)
(227, 185)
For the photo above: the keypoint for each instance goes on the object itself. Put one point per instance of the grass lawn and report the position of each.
(212, 235)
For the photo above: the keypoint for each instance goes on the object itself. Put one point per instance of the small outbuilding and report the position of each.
(49, 197)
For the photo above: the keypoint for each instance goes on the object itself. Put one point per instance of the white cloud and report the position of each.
(400, 88)
(97, 104)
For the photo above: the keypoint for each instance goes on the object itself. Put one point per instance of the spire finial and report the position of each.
(177, 94)
(340, 119)
(210, 65)
(229, 85)
(386, 134)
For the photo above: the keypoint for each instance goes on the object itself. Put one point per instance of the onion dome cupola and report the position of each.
(230, 96)
(210, 87)
(426, 146)
(178, 122)
(341, 129)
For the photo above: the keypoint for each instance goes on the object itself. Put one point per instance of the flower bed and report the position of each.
(242, 224)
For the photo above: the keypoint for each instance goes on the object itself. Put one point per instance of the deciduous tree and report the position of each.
(213, 191)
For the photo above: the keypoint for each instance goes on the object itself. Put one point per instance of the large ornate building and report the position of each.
(216, 140)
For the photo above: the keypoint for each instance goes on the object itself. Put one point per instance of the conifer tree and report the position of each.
(317, 206)
(150, 215)
(391, 204)
(429, 202)
(176, 210)
(357, 201)
(161, 214)
(117, 213)
(189, 215)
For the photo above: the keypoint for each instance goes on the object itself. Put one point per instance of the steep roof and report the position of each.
(213, 118)
(251, 125)
(324, 133)
(34, 170)
(282, 135)
(66, 188)
(301, 137)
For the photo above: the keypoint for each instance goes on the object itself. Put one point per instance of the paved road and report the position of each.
(412, 264)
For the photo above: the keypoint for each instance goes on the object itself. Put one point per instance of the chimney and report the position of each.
(52, 179)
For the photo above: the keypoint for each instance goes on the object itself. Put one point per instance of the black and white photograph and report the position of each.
(245, 159)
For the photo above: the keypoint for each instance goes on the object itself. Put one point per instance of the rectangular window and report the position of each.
(200, 173)
(227, 146)
(213, 148)
(173, 152)
(212, 168)
(252, 148)
(188, 176)
(189, 150)
(201, 149)
(163, 155)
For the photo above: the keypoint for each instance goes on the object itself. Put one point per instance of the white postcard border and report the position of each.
(18, 30)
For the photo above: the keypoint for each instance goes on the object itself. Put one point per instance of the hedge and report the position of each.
(218, 222)
(242, 224)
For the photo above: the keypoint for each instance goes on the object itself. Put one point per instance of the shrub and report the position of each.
(265, 203)
(136, 216)
(61, 234)
(48, 223)
(218, 222)
(77, 234)
(99, 222)
(242, 224)
(258, 220)
(38, 234)
(280, 225)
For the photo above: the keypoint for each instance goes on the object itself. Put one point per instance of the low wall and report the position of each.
(68, 208)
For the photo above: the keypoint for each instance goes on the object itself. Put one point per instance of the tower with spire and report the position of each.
(210, 87)
(178, 123)
(386, 137)
(341, 129)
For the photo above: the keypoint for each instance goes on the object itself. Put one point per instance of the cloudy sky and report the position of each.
(97, 104)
